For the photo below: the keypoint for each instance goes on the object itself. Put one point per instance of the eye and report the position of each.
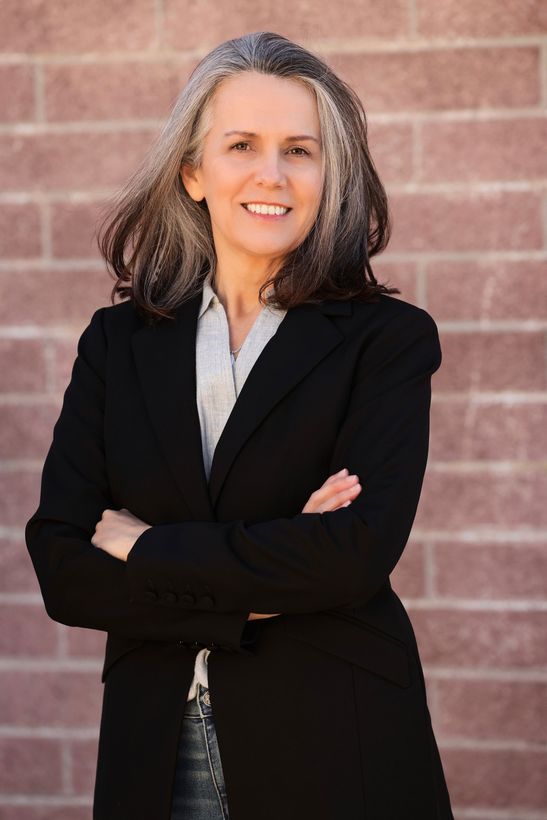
(296, 148)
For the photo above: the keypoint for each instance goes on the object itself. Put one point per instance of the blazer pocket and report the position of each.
(354, 641)
(117, 647)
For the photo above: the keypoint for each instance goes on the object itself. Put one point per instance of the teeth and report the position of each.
(272, 210)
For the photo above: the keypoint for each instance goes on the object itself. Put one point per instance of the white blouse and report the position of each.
(219, 379)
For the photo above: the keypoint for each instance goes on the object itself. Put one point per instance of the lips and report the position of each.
(266, 216)
(274, 204)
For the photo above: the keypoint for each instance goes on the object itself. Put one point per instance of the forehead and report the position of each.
(256, 101)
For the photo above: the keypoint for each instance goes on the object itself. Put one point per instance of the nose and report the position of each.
(269, 171)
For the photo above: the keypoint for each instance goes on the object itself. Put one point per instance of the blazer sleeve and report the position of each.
(314, 561)
(82, 585)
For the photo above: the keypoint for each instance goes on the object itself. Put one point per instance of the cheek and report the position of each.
(223, 180)
(311, 188)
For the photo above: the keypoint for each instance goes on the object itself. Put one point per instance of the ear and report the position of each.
(191, 182)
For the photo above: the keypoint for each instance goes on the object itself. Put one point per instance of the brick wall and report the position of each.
(456, 95)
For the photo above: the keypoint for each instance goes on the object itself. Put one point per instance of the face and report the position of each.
(277, 161)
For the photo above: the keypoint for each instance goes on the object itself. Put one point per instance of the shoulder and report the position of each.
(122, 313)
(393, 330)
(113, 320)
(389, 314)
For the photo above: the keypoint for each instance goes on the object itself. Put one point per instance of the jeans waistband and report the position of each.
(200, 706)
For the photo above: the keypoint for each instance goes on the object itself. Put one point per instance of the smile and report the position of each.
(266, 211)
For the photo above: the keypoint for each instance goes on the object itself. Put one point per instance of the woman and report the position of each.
(258, 664)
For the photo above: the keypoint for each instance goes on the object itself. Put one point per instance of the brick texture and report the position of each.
(17, 98)
(28, 765)
(38, 705)
(456, 105)
(184, 22)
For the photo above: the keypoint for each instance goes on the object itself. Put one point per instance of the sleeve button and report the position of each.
(151, 595)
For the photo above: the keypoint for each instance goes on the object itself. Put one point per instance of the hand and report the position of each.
(339, 490)
(117, 532)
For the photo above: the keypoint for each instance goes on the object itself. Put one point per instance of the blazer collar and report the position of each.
(164, 356)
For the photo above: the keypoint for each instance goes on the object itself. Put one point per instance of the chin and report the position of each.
(265, 250)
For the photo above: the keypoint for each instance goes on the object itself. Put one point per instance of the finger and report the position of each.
(321, 500)
(335, 486)
(343, 473)
(335, 501)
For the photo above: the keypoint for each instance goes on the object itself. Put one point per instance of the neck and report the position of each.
(239, 297)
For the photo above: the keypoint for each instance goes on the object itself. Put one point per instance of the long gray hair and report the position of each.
(158, 241)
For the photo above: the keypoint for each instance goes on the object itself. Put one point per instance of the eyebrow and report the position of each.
(297, 137)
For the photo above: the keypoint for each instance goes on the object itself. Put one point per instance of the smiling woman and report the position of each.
(237, 466)
(243, 182)
(261, 121)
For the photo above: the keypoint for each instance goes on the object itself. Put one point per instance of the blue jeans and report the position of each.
(199, 792)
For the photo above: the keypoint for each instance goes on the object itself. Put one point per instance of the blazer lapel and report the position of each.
(165, 359)
(304, 337)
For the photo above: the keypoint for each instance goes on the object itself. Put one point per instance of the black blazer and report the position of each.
(320, 712)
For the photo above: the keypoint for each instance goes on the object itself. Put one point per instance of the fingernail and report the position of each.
(345, 470)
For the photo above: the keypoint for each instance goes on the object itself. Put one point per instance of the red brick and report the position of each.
(73, 229)
(480, 639)
(391, 150)
(189, 23)
(112, 90)
(84, 765)
(408, 577)
(27, 630)
(402, 275)
(16, 93)
(443, 78)
(64, 26)
(467, 430)
(85, 161)
(49, 812)
(490, 571)
(489, 18)
(30, 765)
(451, 501)
(453, 221)
(85, 643)
(52, 297)
(62, 699)
(504, 779)
(497, 360)
(22, 365)
(503, 289)
(26, 430)
(19, 494)
(492, 710)
(16, 570)
(20, 231)
(509, 149)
